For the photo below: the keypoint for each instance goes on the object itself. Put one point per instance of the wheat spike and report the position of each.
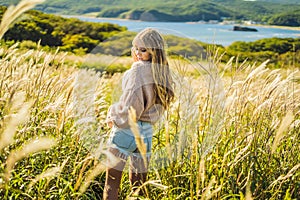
(13, 12)
(288, 175)
(138, 139)
(155, 183)
(248, 193)
(29, 148)
(49, 173)
(287, 120)
(22, 110)
(90, 176)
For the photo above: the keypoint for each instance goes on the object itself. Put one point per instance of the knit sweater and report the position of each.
(137, 92)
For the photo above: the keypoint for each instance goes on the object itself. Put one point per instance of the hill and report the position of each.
(169, 10)
(73, 35)
(53, 31)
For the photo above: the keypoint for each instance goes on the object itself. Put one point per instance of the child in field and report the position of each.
(147, 88)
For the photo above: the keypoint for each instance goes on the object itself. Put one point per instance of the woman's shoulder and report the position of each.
(139, 64)
(133, 69)
(139, 74)
(140, 68)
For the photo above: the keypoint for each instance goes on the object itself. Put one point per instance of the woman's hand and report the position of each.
(110, 124)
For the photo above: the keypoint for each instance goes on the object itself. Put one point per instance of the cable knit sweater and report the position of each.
(138, 92)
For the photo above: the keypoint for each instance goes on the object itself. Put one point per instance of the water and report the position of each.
(208, 33)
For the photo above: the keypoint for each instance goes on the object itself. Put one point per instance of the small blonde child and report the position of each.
(147, 88)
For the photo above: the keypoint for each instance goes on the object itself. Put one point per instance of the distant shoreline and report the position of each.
(93, 17)
(120, 19)
(274, 26)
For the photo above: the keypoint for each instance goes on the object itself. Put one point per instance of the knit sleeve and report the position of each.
(132, 96)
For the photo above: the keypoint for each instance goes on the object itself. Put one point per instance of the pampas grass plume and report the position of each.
(18, 114)
(287, 120)
(37, 145)
(135, 129)
(13, 12)
(49, 173)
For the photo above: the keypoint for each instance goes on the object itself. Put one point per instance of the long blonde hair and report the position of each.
(155, 45)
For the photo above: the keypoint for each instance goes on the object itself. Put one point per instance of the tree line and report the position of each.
(282, 52)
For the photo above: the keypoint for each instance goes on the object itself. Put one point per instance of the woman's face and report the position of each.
(141, 53)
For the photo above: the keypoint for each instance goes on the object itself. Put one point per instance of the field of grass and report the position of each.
(232, 132)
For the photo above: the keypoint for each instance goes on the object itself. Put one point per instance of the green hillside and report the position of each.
(170, 10)
(55, 31)
(73, 35)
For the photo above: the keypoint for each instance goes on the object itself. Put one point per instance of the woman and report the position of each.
(147, 88)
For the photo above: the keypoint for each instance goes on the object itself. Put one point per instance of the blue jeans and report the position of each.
(124, 140)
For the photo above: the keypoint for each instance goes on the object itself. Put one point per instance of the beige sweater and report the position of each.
(138, 92)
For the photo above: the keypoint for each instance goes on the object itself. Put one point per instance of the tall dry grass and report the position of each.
(245, 131)
(39, 139)
(247, 148)
(232, 133)
(40, 110)
(13, 12)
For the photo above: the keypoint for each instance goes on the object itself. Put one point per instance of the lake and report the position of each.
(208, 33)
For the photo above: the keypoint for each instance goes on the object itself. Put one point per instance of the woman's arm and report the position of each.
(132, 96)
